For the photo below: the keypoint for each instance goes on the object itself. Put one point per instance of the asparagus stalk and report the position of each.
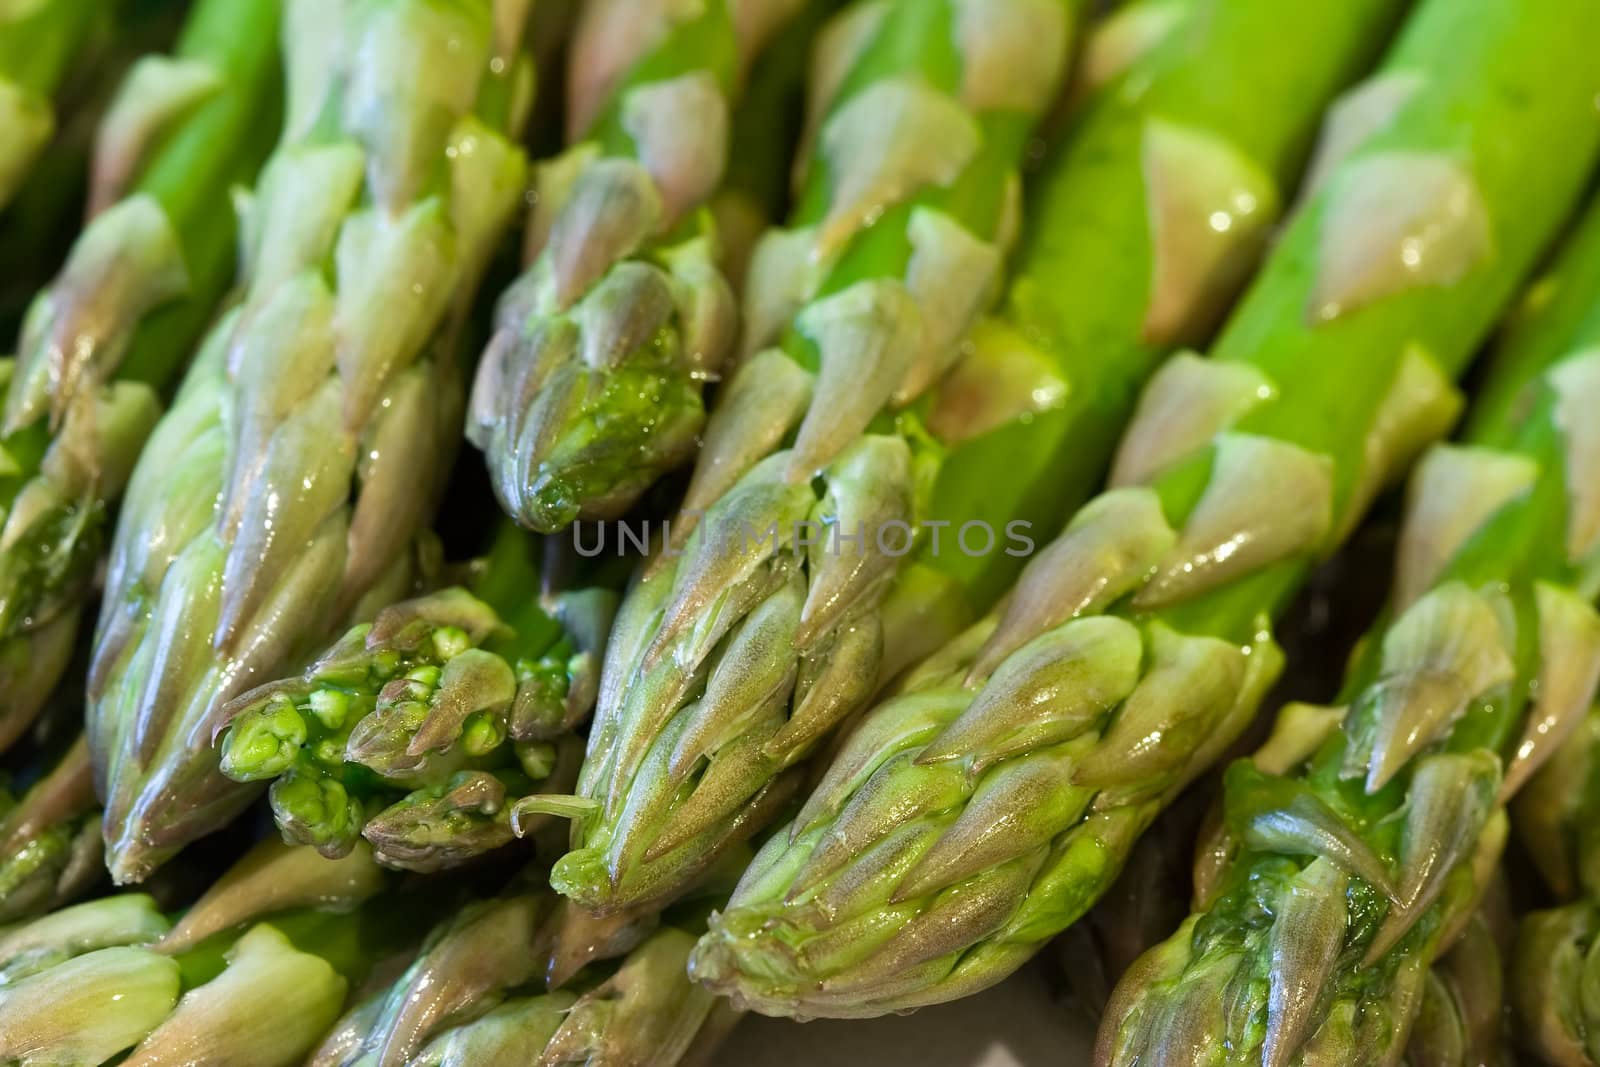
(103, 340)
(419, 729)
(87, 983)
(50, 848)
(312, 436)
(1460, 1022)
(39, 44)
(673, 775)
(489, 988)
(991, 801)
(1334, 883)
(591, 387)
(1552, 982)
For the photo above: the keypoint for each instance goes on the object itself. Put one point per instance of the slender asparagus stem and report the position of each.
(313, 433)
(985, 806)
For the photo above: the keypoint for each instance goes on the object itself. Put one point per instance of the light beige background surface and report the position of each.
(1016, 1024)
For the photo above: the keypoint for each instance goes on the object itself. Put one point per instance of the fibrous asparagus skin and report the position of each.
(101, 342)
(590, 388)
(420, 729)
(309, 442)
(38, 45)
(1333, 884)
(984, 807)
(741, 646)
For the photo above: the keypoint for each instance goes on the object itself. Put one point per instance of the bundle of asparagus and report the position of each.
(993, 798)
(862, 741)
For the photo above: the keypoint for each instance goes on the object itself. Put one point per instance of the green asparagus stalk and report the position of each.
(1552, 983)
(312, 436)
(419, 729)
(1335, 882)
(591, 387)
(679, 766)
(39, 44)
(50, 847)
(1460, 1022)
(489, 988)
(104, 339)
(87, 983)
(995, 797)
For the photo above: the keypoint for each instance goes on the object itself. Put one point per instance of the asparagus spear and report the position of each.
(39, 44)
(1552, 981)
(1460, 1021)
(489, 988)
(101, 342)
(86, 983)
(590, 388)
(50, 849)
(1332, 887)
(311, 438)
(984, 807)
(1039, 392)
(417, 730)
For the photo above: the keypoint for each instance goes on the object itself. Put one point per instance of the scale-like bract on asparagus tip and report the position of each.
(1108, 549)
(269, 1006)
(1454, 490)
(1210, 211)
(1265, 501)
(1419, 409)
(1395, 221)
(156, 93)
(1577, 387)
(867, 337)
(1356, 117)
(1186, 403)
(1445, 651)
(128, 262)
(1306, 932)
(951, 276)
(1569, 671)
(89, 1009)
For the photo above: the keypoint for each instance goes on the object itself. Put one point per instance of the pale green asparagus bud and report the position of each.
(591, 387)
